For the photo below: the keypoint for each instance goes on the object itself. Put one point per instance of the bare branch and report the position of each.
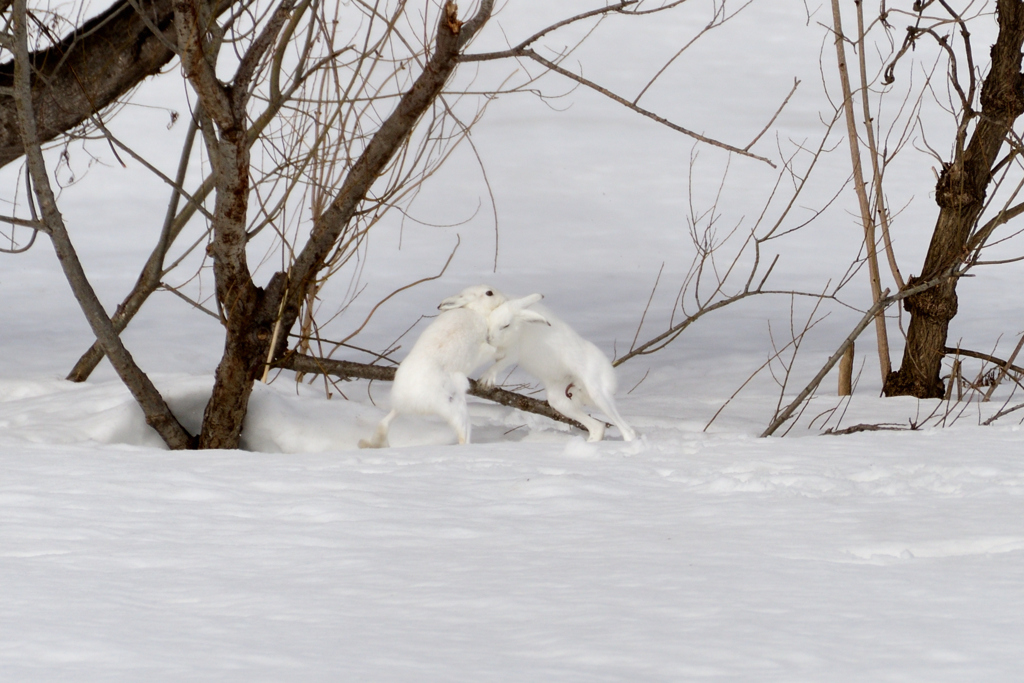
(640, 110)
(351, 370)
(877, 308)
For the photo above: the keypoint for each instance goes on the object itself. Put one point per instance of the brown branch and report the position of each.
(855, 429)
(1002, 413)
(214, 95)
(876, 309)
(379, 152)
(619, 7)
(530, 54)
(876, 173)
(90, 68)
(950, 351)
(662, 340)
(344, 369)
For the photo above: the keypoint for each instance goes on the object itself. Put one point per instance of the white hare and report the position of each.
(574, 371)
(432, 379)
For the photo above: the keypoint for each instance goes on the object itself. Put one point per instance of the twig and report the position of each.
(640, 110)
(373, 311)
(1004, 368)
(1002, 413)
(785, 414)
(886, 426)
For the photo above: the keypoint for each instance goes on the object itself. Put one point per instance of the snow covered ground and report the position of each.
(529, 555)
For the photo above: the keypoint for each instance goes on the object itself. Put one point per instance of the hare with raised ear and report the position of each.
(432, 379)
(574, 371)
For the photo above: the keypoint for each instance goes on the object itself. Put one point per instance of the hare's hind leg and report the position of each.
(561, 399)
(380, 435)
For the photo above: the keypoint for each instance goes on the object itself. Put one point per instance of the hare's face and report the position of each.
(502, 321)
(480, 298)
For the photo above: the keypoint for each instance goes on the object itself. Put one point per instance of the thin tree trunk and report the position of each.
(867, 218)
(846, 372)
(247, 310)
(157, 413)
(960, 194)
(255, 315)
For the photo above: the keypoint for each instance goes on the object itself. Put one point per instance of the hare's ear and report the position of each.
(526, 315)
(457, 301)
(519, 304)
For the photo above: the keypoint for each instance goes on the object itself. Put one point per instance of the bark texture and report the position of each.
(960, 194)
(88, 70)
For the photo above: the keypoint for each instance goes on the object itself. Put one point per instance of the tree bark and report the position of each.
(88, 70)
(452, 36)
(960, 194)
(249, 343)
(248, 312)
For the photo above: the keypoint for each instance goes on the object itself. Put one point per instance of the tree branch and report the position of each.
(89, 69)
(344, 369)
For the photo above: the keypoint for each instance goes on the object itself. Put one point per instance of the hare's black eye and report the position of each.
(490, 293)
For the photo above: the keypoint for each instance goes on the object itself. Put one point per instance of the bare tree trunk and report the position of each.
(247, 311)
(867, 218)
(960, 194)
(846, 372)
(158, 414)
(250, 313)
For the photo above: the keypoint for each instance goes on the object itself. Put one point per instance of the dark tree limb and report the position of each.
(87, 70)
(248, 311)
(452, 36)
(344, 369)
(1000, 362)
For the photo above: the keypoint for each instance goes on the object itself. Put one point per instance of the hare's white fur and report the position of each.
(574, 371)
(432, 379)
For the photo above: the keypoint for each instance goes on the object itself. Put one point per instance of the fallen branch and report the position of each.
(345, 369)
(855, 429)
(1002, 413)
(950, 351)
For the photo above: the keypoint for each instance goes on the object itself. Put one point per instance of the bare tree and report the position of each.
(263, 72)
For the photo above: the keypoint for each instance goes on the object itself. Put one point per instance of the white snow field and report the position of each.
(529, 555)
